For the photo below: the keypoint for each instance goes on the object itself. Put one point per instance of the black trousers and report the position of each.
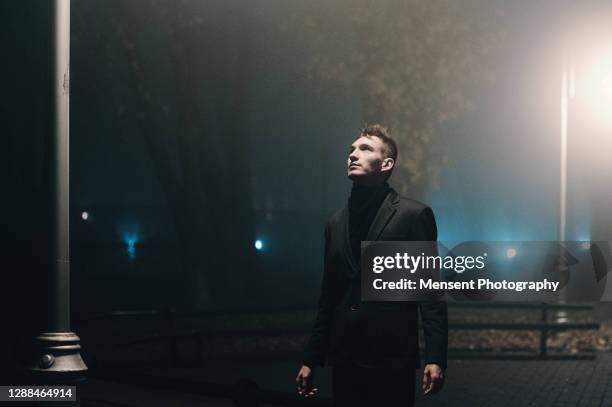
(355, 385)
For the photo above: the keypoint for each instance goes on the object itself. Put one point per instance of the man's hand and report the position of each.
(304, 380)
(433, 379)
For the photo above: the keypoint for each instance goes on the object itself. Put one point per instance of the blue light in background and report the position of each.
(130, 241)
(258, 245)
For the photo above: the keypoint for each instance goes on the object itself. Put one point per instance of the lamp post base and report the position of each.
(57, 358)
(562, 268)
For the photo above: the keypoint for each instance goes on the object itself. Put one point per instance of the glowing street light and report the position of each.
(510, 253)
(598, 84)
(606, 88)
(130, 240)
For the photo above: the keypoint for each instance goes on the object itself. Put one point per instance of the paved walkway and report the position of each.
(470, 383)
(557, 383)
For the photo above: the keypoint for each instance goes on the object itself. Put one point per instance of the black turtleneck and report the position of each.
(363, 204)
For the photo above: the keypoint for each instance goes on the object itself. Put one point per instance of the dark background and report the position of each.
(198, 127)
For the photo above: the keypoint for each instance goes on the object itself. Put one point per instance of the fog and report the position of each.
(198, 127)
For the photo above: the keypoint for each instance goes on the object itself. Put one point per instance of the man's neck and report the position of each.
(370, 185)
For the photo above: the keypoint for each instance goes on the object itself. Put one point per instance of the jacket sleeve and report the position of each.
(433, 313)
(318, 344)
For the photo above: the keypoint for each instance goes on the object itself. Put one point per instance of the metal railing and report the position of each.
(173, 336)
(247, 393)
(544, 325)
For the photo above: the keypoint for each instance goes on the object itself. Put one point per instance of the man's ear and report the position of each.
(387, 164)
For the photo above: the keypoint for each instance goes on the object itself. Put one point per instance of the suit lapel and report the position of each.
(383, 216)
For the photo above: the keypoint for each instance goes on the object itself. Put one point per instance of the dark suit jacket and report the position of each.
(374, 334)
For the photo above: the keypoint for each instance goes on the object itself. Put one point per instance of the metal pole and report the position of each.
(544, 332)
(563, 158)
(58, 357)
(561, 267)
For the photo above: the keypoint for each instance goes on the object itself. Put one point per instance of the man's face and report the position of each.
(367, 161)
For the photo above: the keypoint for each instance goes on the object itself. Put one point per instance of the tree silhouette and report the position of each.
(202, 167)
(411, 63)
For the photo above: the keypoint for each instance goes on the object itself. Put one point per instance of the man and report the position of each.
(373, 346)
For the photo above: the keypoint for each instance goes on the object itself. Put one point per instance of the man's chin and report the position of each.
(357, 178)
(355, 172)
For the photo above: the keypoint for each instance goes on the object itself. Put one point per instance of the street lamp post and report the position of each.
(57, 355)
(567, 92)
